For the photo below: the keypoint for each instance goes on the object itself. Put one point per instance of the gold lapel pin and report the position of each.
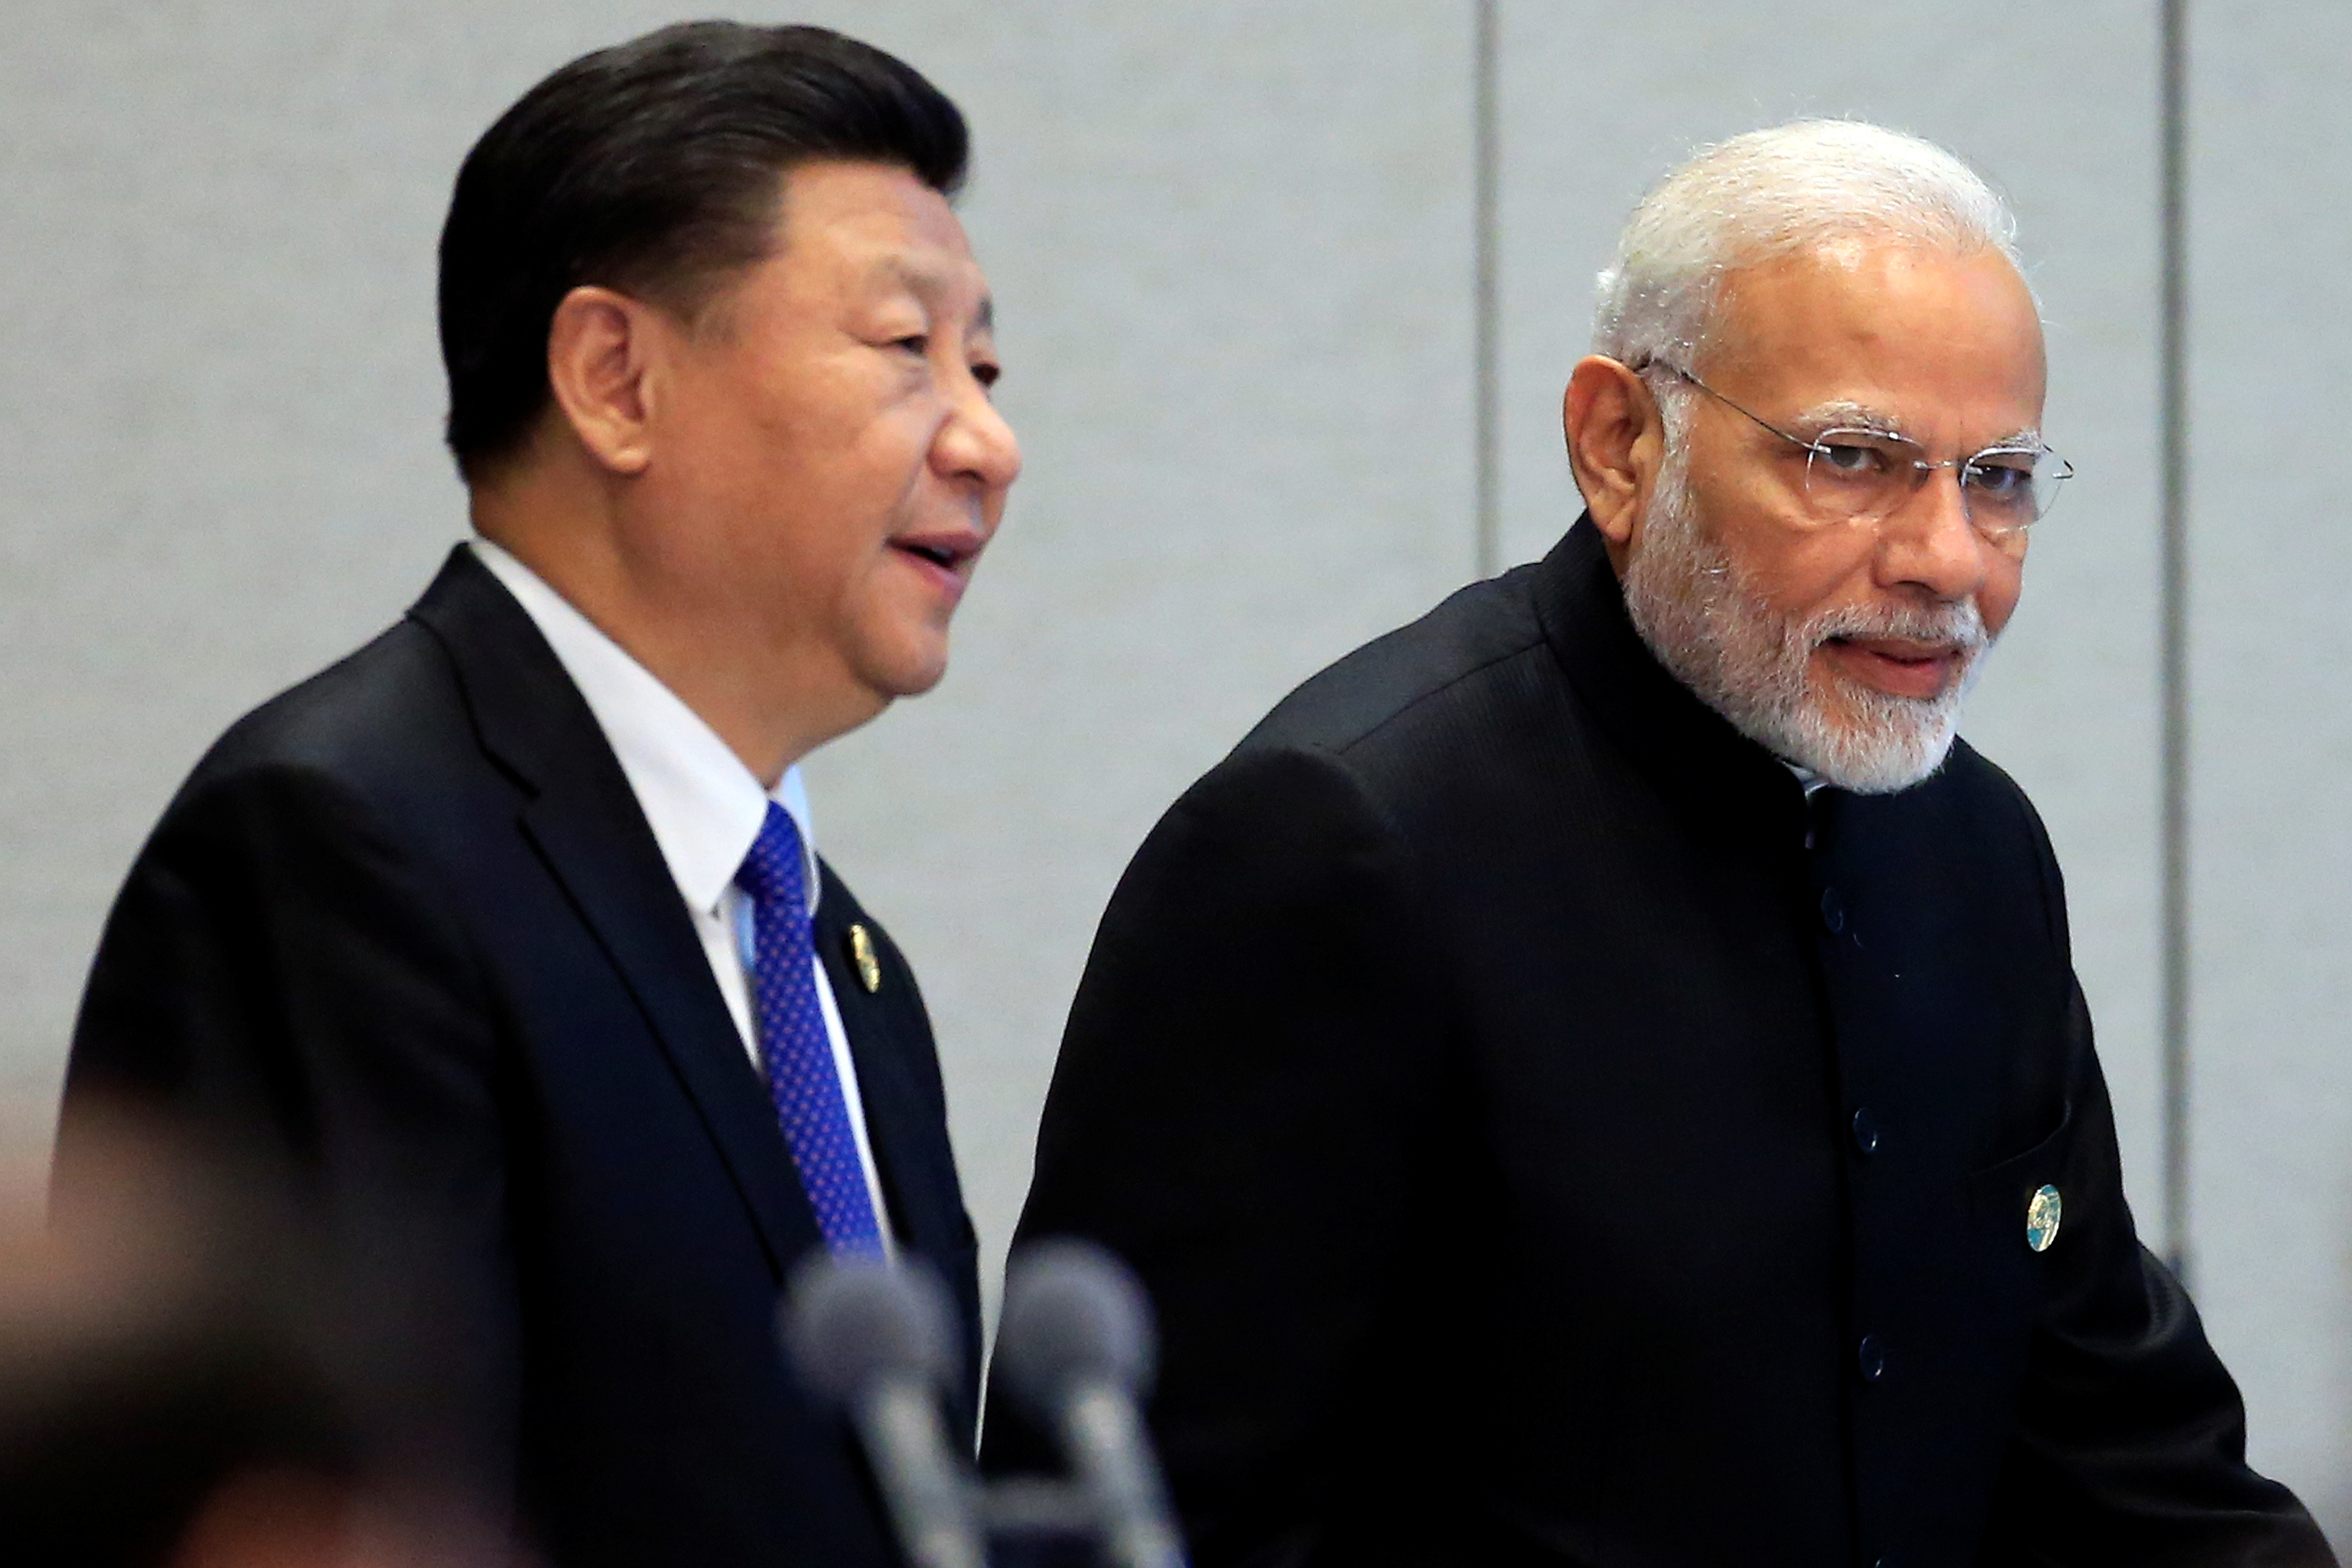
(2042, 1213)
(861, 952)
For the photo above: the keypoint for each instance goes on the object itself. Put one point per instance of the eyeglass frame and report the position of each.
(1820, 448)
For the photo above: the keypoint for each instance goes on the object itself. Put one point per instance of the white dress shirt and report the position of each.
(706, 809)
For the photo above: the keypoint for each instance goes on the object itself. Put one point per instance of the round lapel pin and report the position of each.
(2042, 1212)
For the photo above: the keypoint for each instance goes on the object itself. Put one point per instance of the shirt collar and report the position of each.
(706, 808)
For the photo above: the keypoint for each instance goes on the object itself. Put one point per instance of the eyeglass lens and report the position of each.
(1866, 474)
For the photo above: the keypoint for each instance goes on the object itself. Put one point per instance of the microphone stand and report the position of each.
(875, 1339)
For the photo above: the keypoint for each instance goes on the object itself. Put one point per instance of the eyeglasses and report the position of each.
(1855, 474)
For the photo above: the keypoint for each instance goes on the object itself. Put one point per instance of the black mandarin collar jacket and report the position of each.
(1550, 1139)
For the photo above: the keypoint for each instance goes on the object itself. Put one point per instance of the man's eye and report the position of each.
(986, 373)
(1840, 457)
(914, 342)
(2000, 480)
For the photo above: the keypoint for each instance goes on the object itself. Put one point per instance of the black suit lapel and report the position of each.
(898, 1079)
(906, 1114)
(638, 917)
(590, 830)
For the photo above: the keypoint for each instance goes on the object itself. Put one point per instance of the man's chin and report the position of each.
(1875, 743)
(909, 672)
(917, 684)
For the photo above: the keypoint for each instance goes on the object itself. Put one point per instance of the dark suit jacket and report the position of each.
(1548, 1138)
(406, 930)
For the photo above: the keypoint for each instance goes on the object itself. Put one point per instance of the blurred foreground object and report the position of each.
(1076, 1351)
(170, 1387)
(879, 1340)
(1076, 1347)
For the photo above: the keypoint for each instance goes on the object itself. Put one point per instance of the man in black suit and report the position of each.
(1597, 1077)
(500, 943)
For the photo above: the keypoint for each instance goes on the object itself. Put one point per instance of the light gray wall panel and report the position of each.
(2270, 549)
(218, 421)
(1598, 102)
(1230, 246)
(1234, 284)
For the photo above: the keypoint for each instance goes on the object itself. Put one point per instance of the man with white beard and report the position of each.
(1596, 1075)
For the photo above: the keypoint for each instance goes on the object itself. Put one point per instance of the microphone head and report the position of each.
(1073, 1314)
(849, 1324)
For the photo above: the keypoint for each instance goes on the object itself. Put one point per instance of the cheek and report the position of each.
(1799, 574)
(1996, 601)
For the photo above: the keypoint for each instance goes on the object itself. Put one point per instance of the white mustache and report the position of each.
(1956, 622)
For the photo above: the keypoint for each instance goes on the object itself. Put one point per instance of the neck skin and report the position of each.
(575, 524)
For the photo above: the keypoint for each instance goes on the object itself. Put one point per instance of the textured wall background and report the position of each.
(1232, 246)
(2271, 547)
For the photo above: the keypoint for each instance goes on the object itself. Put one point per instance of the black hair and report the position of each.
(654, 167)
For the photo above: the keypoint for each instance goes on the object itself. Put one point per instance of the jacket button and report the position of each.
(1833, 910)
(1865, 1131)
(1871, 1357)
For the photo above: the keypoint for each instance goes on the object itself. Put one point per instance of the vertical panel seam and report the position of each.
(2172, 375)
(1486, 304)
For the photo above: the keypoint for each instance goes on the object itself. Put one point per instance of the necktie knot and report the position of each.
(773, 872)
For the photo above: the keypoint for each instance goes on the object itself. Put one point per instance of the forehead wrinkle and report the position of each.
(930, 282)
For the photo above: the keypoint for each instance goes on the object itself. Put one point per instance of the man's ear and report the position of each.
(1616, 442)
(601, 350)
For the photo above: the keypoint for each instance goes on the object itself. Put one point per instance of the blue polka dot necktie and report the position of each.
(794, 1048)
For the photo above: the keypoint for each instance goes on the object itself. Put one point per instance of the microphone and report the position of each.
(876, 1339)
(1075, 1350)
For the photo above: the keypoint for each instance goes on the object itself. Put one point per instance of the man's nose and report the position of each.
(1929, 541)
(977, 442)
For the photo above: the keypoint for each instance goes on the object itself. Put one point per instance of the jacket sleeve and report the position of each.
(278, 984)
(2130, 1438)
(1250, 1107)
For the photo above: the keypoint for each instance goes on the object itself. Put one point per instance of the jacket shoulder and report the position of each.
(1473, 631)
(385, 714)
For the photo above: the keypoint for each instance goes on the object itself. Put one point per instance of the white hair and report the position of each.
(1772, 193)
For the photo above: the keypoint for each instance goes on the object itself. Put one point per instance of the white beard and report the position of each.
(1754, 665)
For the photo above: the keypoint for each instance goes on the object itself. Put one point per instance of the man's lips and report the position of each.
(1901, 667)
(946, 557)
